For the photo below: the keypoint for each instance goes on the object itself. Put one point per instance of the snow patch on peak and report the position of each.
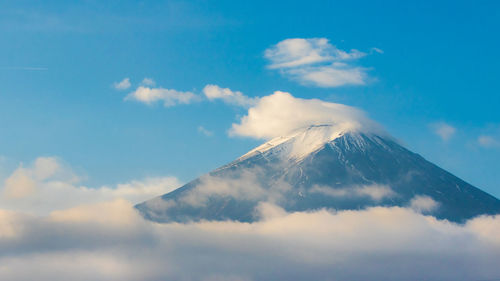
(304, 141)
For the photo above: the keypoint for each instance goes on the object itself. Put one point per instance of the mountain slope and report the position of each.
(323, 167)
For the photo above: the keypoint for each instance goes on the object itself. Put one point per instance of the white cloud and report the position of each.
(443, 130)
(334, 75)
(168, 97)
(488, 141)
(19, 185)
(122, 85)
(204, 131)
(98, 229)
(423, 204)
(23, 181)
(298, 51)
(213, 92)
(316, 62)
(48, 185)
(374, 192)
(148, 82)
(281, 113)
(372, 244)
(377, 50)
(244, 186)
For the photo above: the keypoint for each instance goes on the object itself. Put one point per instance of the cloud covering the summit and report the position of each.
(281, 113)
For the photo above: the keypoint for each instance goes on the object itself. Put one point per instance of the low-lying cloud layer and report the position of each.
(374, 192)
(109, 241)
(47, 184)
(94, 234)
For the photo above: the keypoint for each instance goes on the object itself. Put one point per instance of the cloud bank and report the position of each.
(47, 184)
(373, 244)
(316, 62)
(281, 113)
(98, 229)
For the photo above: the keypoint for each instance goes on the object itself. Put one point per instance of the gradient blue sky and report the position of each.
(59, 60)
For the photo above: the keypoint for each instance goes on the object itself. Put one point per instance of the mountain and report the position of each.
(318, 167)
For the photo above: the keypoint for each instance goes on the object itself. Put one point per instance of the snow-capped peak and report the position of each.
(303, 141)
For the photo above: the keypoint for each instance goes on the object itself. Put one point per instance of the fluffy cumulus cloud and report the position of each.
(281, 113)
(213, 92)
(314, 61)
(443, 130)
(379, 243)
(47, 184)
(122, 85)
(298, 52)
(168, 97)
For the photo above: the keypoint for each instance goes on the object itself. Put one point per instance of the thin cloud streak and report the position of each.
(488, 141)
(27, 68)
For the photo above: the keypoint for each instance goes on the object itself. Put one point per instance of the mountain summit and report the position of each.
(323, 166)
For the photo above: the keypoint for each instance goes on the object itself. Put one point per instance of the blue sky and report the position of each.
(59, 61)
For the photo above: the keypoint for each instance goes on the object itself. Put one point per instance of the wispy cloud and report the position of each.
(316, 62)
(122, 85)
(488, 141)
(148, 82)
(204, 131)
(374, 192)
(423, 204)
(377, 50)
(443, 130)
(27, 68)
(213, 92)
